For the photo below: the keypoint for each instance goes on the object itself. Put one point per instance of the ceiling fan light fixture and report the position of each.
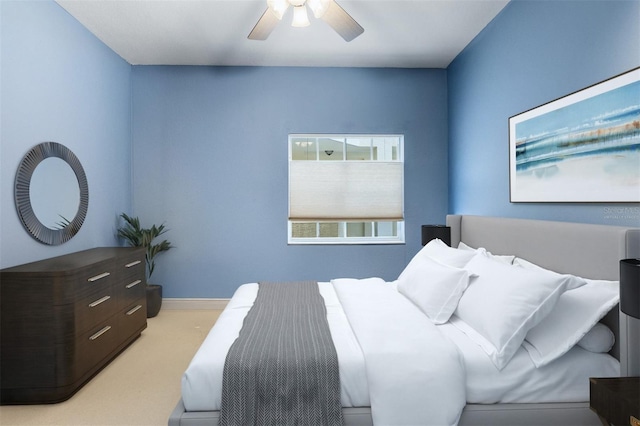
(319, 7)
(278, 7)
(300, 18)
(328, 10)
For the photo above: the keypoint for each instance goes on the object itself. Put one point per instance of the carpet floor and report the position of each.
(140, 387)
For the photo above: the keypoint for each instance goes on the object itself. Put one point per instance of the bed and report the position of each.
(583, 250)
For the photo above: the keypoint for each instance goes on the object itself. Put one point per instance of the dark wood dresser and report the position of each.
(63, 319)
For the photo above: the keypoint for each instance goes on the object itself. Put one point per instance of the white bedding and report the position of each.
(471, 377)
(415, 375)
(563, 380)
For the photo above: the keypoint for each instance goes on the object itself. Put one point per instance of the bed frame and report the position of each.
(590, 251)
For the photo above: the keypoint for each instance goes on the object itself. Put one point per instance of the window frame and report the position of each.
(399, 238)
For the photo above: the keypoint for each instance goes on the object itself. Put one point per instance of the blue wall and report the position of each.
(59, 83)
(532, 53)
(210, 160)
(205, 149)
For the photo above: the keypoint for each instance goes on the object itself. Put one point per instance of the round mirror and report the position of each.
(52, 194)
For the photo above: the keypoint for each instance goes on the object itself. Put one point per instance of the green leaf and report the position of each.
(63, 223)
(137, 236)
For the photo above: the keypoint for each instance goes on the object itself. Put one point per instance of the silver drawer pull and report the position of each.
(100, 333)
(133, 284)
(99, 301)
(134, 310)
(129, 265)
(98, 277)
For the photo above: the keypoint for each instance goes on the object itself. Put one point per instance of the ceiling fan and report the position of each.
(327, 10)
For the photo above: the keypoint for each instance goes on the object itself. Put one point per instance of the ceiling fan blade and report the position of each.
(264, 26)
(342, 22)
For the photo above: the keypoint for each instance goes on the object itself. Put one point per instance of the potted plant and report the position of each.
(137, 236)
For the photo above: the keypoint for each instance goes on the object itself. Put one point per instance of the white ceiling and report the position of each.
(398, 33)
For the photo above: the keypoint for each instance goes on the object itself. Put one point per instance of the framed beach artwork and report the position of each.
(583, 147)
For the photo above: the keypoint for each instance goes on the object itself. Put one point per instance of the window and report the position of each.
(346, 189)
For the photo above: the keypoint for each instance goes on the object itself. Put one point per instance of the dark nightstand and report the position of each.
(616, 400)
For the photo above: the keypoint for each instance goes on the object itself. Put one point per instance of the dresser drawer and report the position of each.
(130, 291)
(132, 265)
(62, 364)
(85, 283)
(133, 319)
(92, 348)
(93, 309)
(98, 344)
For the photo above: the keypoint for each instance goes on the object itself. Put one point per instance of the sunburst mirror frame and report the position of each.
(27, 216)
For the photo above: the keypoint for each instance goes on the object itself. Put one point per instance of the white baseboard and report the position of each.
(180, 303)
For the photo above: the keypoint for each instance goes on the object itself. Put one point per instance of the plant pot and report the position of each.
(154, 299)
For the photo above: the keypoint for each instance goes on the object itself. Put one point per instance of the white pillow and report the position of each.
(575, 282)
(599, 339)
(441, 252)
(576, 312)
(433, 287)
(508, 259)
(503, 303)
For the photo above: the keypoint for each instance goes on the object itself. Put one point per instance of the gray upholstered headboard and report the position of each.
(585, 250)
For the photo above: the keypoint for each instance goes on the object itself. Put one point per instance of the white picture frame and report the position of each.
(583, 147)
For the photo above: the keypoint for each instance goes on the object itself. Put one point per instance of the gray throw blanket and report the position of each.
(283, 367)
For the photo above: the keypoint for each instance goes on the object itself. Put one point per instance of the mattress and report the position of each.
(564, 380)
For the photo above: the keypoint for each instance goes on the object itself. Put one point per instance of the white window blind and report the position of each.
(345, 190)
